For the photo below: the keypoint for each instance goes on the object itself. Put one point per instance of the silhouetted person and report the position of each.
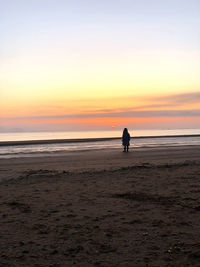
(125, 139)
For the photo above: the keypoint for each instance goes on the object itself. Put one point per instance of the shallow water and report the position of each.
(139, 142)
(19, 136)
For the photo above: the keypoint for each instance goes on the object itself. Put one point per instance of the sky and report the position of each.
(80, 65)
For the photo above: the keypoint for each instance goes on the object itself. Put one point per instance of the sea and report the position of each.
(139, 139)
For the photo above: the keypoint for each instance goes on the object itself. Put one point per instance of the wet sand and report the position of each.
(101, 208)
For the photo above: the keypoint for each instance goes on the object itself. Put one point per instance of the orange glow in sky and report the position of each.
(78, 68)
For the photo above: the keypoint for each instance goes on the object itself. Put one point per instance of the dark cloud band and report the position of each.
(122, 114)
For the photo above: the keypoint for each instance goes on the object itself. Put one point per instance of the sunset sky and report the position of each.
(99, 64)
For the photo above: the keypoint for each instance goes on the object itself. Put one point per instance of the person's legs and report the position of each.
(124, 149)
(127, 148)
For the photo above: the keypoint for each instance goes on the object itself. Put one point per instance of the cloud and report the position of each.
(159, 106)
(177, 99)
(121, 114)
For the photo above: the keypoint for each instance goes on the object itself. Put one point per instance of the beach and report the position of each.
(101, 208)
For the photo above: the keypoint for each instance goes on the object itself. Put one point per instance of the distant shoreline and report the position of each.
(83, 140)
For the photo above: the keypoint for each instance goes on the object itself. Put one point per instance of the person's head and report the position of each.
(125, 130)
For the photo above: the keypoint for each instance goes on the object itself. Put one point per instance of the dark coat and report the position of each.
(126, 139)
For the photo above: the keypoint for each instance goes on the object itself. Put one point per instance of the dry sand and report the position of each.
(101, 208)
